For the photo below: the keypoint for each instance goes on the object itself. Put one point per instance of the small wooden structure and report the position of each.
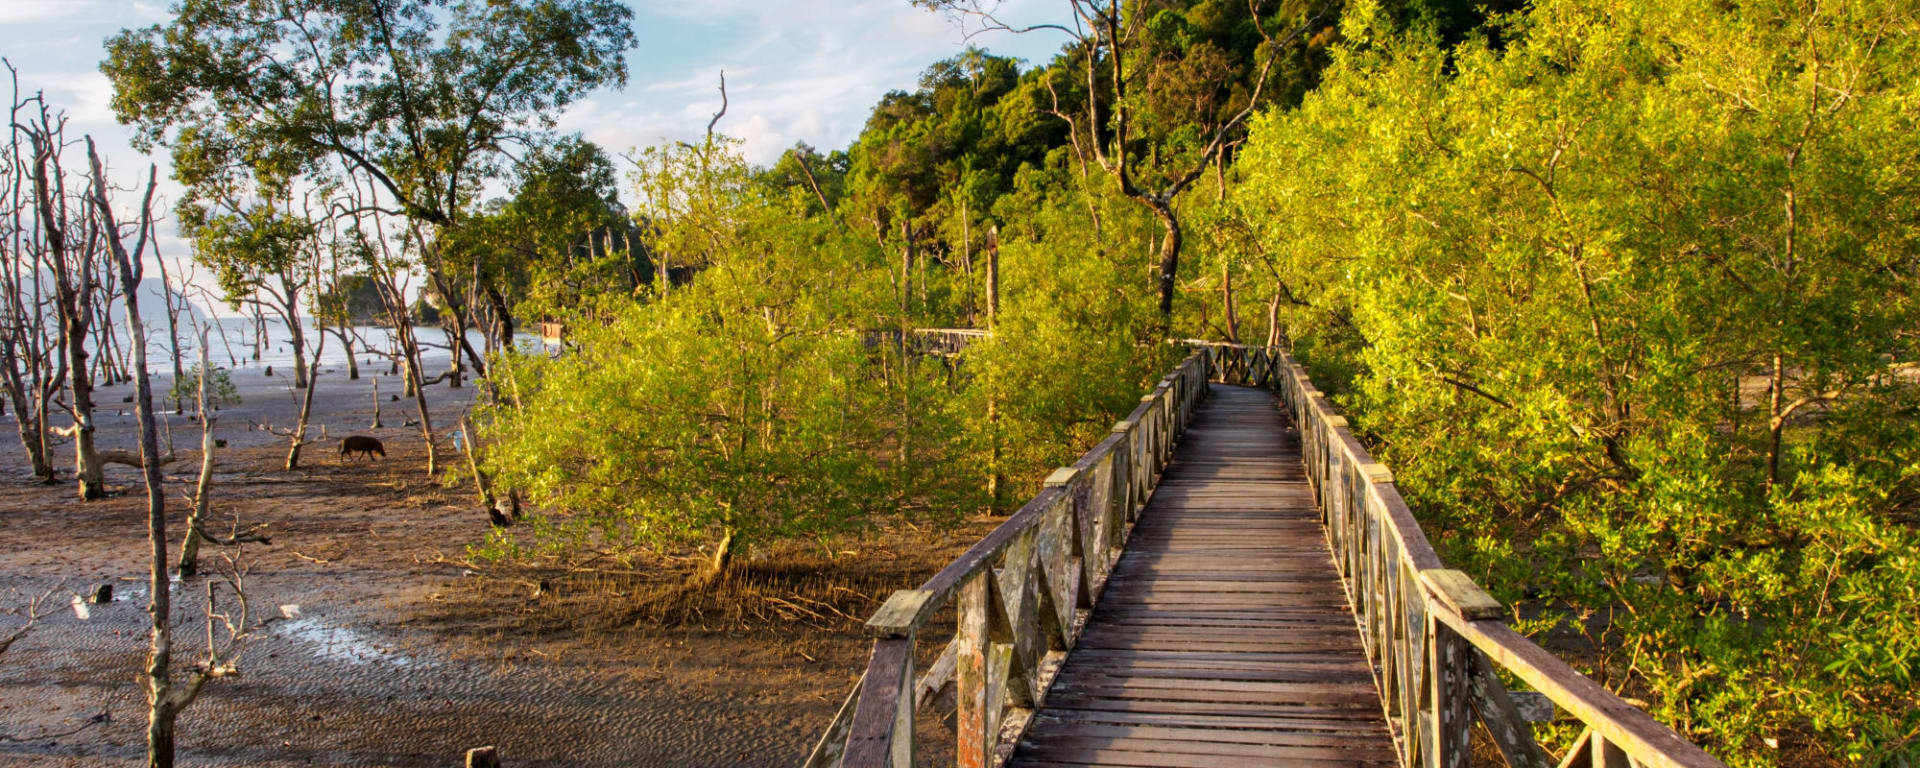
(552, 333)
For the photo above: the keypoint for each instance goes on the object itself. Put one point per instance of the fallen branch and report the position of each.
(131, 459)
(104, 717)
(36, 610)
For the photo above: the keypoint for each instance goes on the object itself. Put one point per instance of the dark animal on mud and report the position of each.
(362, 444)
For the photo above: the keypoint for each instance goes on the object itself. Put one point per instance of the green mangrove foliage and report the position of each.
(768, 397)
(1628, 302)
(745, 406)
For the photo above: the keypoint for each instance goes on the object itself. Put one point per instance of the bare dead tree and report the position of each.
(28, 365)
(201, 498)
(297, 436)
(228, 633)
(389, 274)
(74, 282)
(167, 695)
(176, 303)
(203, 484)
(161, 694)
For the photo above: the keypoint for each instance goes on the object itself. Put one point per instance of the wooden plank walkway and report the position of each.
(1223, 637)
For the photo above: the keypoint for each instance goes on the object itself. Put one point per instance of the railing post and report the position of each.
(882, 733)
(977, 719)
(1446, 703)
(1148, 449)
(1123, 484)
(1451, 661)
(1414, 656)
(1606, 754)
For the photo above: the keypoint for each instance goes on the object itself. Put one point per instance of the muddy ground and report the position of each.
(402, 652)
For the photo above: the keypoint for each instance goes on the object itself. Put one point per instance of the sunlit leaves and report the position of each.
(1565, 272)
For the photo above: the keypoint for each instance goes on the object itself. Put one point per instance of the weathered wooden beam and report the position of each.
(826, 752)
(901, 614)
(1459, 594)
(937, 675)
(1646, 740)
(881, 737)
(1503, 720)
(976, 724)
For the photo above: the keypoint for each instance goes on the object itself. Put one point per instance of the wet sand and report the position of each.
(402, 655)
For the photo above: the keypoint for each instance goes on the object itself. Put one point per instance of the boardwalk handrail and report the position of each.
(1020, 597)
(1434, 638)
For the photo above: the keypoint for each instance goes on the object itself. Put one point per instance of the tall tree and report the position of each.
(560, 236)
(159, 672)
(419, 96)
(269, 254)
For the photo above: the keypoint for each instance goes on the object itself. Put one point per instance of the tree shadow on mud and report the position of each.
(788, 587)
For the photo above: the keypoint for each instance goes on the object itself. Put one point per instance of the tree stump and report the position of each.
(483, 757)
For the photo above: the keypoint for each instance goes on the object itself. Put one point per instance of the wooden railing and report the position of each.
(1435, 639)
(1020, 598)
(927, 341)
(947, 341)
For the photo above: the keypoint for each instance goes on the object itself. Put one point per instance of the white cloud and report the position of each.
(27, 11)
(811, 71)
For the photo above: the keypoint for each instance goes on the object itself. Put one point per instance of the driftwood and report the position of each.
(131, 459)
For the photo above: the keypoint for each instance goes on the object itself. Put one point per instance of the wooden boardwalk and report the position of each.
(1223, 637)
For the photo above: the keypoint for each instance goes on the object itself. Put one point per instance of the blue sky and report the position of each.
(797, 70)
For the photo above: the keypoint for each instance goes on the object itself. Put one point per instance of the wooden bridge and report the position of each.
(1228, 579)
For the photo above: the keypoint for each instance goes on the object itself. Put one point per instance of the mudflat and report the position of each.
(402, 651)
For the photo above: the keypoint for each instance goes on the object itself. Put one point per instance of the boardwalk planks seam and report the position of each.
(1224, 637)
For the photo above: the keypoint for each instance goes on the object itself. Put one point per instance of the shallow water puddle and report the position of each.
(342, 643)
